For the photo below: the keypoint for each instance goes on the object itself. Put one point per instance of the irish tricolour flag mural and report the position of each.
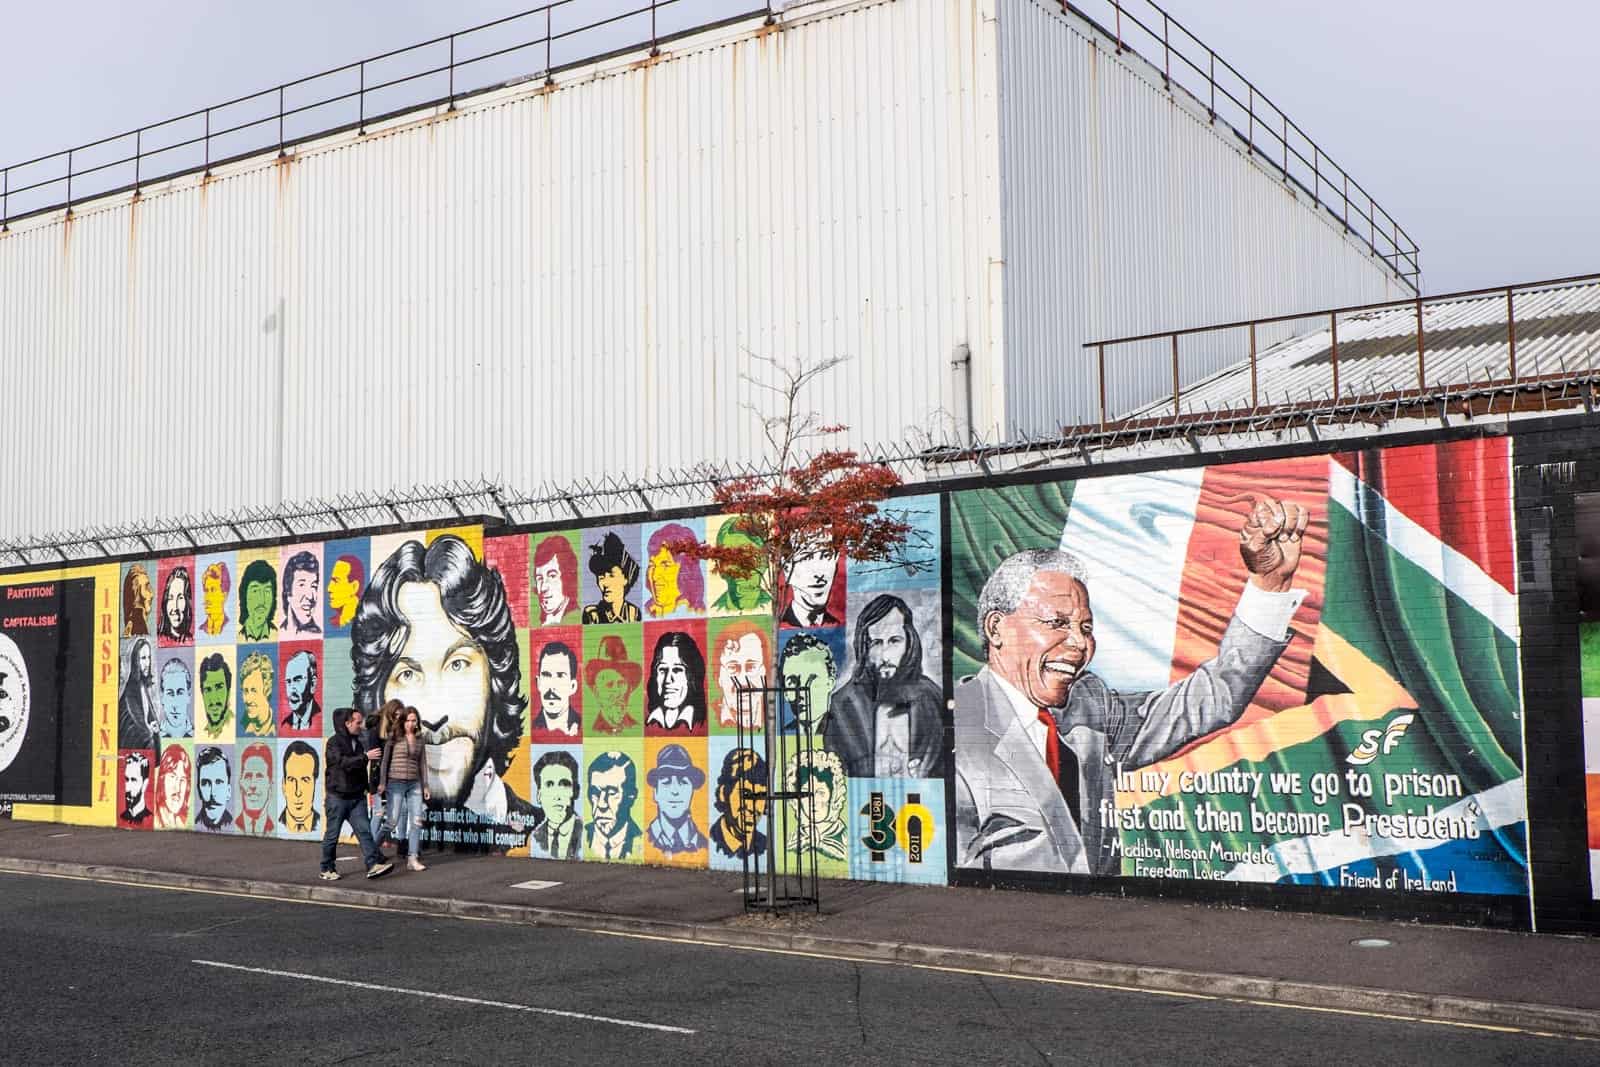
(1299, 670)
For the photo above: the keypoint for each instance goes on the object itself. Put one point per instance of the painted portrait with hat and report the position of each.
(615, 568)
(677, 779)
(611, 677)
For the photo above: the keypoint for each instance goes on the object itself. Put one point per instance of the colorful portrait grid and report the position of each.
(580, 690)
(635, 654)
(225, 661)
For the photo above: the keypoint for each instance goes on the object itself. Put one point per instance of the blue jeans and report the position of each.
(336, 811)
(405, 812)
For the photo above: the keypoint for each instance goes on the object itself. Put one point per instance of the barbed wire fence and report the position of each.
(925, 456)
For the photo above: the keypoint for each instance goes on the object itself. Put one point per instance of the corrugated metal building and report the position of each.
(551, 281)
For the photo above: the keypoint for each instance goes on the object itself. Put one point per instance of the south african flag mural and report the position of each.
(1301, 670)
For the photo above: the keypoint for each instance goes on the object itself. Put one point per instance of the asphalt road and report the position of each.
(106, 972)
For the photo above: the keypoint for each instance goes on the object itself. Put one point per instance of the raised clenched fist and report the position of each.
(1269, 542)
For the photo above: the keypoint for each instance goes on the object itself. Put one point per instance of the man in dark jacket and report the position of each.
(886, 722)
(372, 738)
(344, 794)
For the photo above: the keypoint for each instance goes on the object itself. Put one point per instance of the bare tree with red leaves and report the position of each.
(826, 502)
(822, 503)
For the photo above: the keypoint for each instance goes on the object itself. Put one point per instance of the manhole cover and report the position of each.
(1371, 942)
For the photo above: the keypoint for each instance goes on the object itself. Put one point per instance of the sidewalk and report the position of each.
(1537, 982)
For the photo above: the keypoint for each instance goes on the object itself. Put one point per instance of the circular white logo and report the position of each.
(13, 700)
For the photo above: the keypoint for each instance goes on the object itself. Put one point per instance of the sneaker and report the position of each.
(414, 864)
(378, 870)
(329, 876)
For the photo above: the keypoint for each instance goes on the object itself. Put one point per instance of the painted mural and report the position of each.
(46, 692)
(1588, 531)
(1302, 671)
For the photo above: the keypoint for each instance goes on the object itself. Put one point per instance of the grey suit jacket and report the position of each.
(1010, 814)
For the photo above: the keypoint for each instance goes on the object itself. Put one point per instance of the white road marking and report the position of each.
(534, 883)
(453, 998)
(701, 943)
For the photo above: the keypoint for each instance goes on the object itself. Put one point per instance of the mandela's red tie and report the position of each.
(1063, 764)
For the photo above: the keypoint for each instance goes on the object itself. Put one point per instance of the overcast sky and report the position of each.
(1473, 122)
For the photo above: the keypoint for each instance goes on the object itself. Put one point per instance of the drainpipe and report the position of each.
(962, 359)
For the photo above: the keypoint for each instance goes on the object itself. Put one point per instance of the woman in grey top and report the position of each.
(404, 781)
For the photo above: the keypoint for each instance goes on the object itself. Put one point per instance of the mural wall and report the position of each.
(1588, 524)
(1302, 670)
(1297, 671)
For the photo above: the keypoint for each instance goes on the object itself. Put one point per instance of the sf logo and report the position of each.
(1380, 742)
(911, 828)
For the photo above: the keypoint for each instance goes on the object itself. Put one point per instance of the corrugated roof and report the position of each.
(1467, 342)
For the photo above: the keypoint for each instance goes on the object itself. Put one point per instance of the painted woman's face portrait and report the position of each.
(613, 586)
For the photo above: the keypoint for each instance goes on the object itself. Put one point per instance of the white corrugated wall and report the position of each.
(550, 285)
(543, 286)
(1127, 212)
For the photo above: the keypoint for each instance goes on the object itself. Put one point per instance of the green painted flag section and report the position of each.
(986, 526)
(1426, 798)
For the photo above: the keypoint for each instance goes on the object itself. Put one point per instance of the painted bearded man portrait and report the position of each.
(137, 597)
(887, 720)
(435, 632)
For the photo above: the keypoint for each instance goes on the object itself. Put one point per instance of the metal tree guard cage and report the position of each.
(778, 723)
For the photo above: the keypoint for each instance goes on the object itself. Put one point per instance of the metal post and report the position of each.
(361, 97)
(1511, 335)
(452, 106)
(1253, 399)
(1285, 147)
(1250, 138)
(69, 182)
(5, 200)
(1176, 396)
(1212, 110)
(1422, 381)
(1333, 319)
(1166, 52)
(1102, 350)
(208, 142)
(138, 149)
(1118, 6)
(655, 48)
(1316, 174)
(280, 120)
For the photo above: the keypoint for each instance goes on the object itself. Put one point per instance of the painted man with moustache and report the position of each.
(1039, 737)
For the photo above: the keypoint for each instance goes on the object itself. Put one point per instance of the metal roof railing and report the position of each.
(1397, 341)
(1186, 62)
(535, 43)
(556, 36)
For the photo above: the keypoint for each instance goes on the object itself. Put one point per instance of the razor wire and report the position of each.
(922, 457)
